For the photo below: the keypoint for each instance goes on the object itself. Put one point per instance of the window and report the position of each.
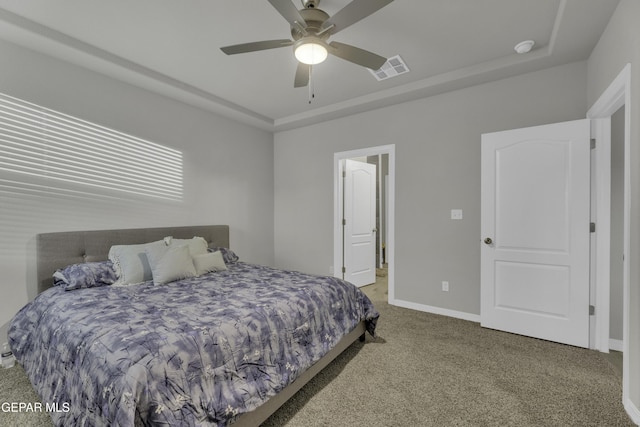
(55, 149)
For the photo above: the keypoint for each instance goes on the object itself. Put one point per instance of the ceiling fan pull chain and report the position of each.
(311, 91)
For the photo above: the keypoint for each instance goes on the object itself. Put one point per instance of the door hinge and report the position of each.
(592, 227)
(592, 310)
(344, 270)
(344, 174)
(344, 221)
(593, 143)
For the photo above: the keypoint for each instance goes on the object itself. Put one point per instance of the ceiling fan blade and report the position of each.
(302, 75)
(288, 12)
(357, 55)
(354, 12)
(255, 46)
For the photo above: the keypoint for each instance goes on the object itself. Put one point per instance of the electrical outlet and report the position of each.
(456, 213)
(445, 286)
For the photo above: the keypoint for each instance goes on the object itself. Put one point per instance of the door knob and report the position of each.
(488, 241)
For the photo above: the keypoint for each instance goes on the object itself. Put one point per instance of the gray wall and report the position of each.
(619, 45)
(228, 168)
(437, 168)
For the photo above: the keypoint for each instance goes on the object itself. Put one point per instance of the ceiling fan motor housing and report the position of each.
(314, 18)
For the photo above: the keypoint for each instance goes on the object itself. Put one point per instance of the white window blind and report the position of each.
(46, 144)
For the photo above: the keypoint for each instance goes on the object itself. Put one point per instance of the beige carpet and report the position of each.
(429, 370)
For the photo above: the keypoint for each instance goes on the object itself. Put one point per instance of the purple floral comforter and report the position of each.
(198, 352)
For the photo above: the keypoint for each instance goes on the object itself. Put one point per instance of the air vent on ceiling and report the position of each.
(393, 67)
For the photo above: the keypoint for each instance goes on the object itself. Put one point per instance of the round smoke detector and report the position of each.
(525, 46)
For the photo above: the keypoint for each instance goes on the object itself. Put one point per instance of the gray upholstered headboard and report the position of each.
(57, 250)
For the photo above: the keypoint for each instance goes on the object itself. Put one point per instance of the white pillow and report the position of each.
(197, 245)
(130, 262)
(169, 264)
(209, 262)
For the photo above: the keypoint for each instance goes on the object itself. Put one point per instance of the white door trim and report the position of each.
(601, 239)
(337, 208)
(615, 96)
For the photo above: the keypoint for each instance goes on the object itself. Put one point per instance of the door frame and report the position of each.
(618, 94)
(338, 202)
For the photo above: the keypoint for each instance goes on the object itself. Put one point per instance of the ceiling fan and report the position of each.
(311, 28)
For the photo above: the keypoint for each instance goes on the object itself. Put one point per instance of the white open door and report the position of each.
(359, 223)
(535, 232)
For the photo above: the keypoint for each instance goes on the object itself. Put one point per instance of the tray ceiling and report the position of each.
(172, 47)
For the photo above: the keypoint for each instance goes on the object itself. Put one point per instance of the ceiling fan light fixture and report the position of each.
(310, 52)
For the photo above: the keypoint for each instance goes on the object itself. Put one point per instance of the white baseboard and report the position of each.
(632, 411)
(436, 310)
(616, 345)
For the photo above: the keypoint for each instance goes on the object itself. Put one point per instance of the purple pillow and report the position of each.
(228, 255)
(85, 275)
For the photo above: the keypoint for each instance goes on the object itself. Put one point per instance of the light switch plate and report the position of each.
(456, 213)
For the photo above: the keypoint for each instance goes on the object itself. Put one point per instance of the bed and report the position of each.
(226, 347)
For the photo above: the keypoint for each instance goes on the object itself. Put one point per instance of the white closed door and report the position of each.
(535, 232)
(359, 223)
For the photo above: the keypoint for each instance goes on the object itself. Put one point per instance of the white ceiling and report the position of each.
(172, 47)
